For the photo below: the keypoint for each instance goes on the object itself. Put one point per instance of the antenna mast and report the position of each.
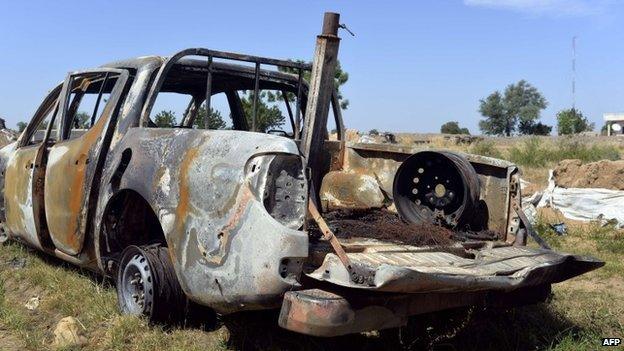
(574, 72)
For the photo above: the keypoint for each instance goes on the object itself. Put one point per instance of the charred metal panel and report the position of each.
(499, 181)
(130, 111)
(206, 189)
(323, 313)
(70, 172)
(18, 187)
(366, 179)
(327, 314)
(401, 268)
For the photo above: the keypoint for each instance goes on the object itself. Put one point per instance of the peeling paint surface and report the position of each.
(410, 270)
(215, 222)
(17, 192)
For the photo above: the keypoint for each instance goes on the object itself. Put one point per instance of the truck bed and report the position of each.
(447, 261)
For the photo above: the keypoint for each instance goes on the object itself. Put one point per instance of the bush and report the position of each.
(485, 148)
(531, 153)
(569, 148)
(572, 121)
(453, 128)
(534, 153)
(532, 128)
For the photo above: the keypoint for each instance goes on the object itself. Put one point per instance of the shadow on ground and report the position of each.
(525, 328)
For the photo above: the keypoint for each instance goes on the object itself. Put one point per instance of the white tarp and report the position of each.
(583, 204)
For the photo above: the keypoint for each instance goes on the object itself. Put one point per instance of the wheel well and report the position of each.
(128, 220)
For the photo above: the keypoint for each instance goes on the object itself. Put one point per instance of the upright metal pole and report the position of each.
(298, 107)
(319, 98)
(208, 93)
(255, 97)
(574, 72)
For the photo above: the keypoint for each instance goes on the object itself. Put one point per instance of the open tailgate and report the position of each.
(411, 269)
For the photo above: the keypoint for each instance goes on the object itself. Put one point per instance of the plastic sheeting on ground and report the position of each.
(582, 204)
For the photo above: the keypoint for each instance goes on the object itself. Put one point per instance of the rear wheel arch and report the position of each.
(128, 219)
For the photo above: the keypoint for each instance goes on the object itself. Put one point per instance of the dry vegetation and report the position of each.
(580, 312)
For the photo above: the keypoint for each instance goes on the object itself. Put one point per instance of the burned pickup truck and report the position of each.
(230, 219)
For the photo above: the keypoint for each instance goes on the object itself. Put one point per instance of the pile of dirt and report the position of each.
(601, 174)
(386, 226)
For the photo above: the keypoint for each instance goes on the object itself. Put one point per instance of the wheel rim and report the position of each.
(436, 187)
(137, 292)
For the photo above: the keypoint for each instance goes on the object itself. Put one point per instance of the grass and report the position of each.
(67, 291)
(580, 312)
(534, 152)
(485, 148)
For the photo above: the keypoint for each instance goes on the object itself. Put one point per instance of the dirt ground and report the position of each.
(600, 174)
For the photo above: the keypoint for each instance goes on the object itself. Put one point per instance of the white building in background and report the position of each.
(615, 123)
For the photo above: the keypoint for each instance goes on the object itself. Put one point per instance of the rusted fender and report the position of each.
(228, 252)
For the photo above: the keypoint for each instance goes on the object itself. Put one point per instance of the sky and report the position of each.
(412, 65)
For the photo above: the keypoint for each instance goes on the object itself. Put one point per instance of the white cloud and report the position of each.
(545, 7)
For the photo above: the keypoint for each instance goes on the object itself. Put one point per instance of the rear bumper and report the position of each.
(322, 313)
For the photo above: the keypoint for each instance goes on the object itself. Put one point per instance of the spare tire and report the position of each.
(438, 187)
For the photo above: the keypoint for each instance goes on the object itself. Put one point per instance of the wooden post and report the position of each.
(319, 98)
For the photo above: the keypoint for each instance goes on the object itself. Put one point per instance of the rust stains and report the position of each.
(17, 191)
(224, 234)
(182, 208)
(67, 189)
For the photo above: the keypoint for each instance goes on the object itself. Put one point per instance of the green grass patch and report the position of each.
(485, 148)
(608, 239)
(534, 152)
(546, 232)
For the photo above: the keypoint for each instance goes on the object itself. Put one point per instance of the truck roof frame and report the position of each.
(214, 54)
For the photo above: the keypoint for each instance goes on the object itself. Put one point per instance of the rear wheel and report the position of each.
(147, 285)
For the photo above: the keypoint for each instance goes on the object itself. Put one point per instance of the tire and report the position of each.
(147, 285)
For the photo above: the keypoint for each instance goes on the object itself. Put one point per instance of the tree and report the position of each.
(493, 109)
(165, 119)
(572, 121)
(268, 116)
(215, 121)
(521, 103)
(21, 126)
(532, 128)
(373, 132)
(340, 78)
(82, 120)
(452, 127)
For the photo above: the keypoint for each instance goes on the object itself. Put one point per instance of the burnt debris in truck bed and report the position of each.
(387, 226)
(384, 225)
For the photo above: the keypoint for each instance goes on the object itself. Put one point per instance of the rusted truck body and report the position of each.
(220, 217)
